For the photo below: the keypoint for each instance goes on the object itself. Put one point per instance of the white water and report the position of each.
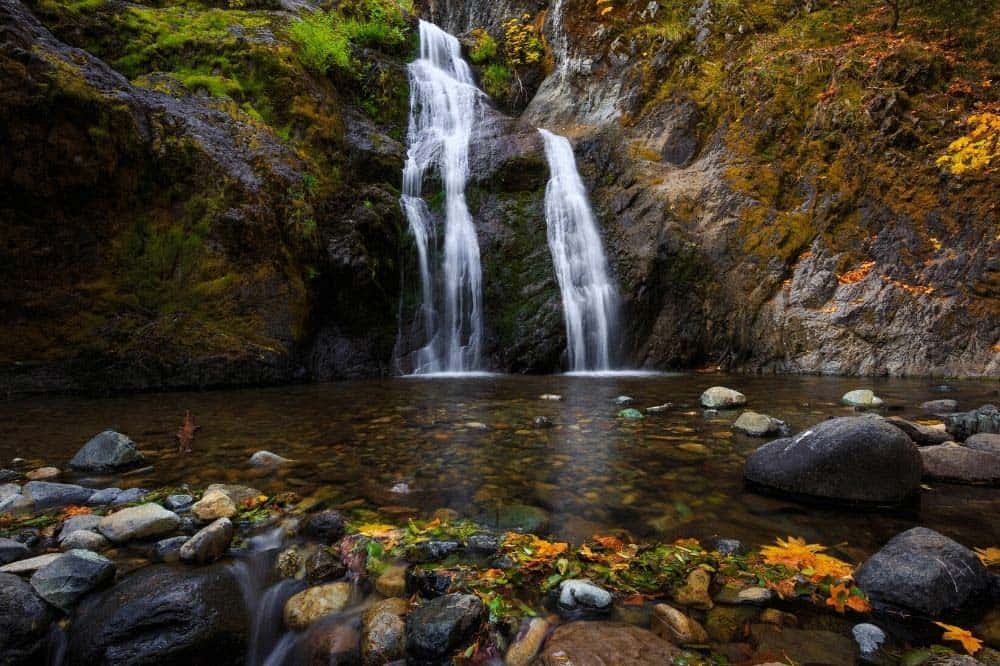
(589, 297)
(445, 106)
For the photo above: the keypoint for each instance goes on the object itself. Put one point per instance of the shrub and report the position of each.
(321, 42)
(484, 47)
(496, 81)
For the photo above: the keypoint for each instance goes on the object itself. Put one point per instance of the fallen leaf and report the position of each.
(989, 556)
(970, 643)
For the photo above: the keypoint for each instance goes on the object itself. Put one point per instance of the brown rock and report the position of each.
(43, 474)
(309, 605)
(951, 462)
(213, 505)
(803, 647)
(607, 644)
(671, 624)
(694, 592)
(527, 643)
(392, 582)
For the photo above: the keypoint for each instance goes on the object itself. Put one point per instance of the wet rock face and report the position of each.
(165, 616)
(850, 459)
(923, 572)
(24, 619)
(440, 626)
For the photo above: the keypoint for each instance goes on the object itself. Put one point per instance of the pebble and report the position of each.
(671, 624)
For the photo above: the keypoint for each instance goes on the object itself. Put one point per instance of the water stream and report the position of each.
(589, 297)
(445, 106)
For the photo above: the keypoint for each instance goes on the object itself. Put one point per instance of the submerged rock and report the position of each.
(659, 409)
(267, 459)
(800, 646)
(631, 414)
(327, 526)
(986, 442)
(579, 599)
(24, 621)
(864, 398)
(671, 624)
(322, 565)
(392, 581)
(309, 605)
(694, 592)
(166, 616)
(516, 518)
(920, 434)
(66, 580)
(960, 464)
(47, 495)
(441, 626)
(527, 642)
(720, 397)
(939, 407)
(542, 422)
(924, 572)
(605, 643)
(139, 522)
(963, 425)
(851, 459)
(209, 544)
(109, 451)
(759, 425)
(383, 632)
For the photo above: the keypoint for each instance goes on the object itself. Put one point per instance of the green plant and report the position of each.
(496, 80)
(321, 42)
(484, 47)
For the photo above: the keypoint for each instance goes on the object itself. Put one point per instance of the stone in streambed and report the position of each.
(580, 598)
(940, 407)
(17, 504)
(8, 490)
(986, 442)
(605, 643)
(542, 422)
(851, 459)
(427, 583)
(239, 495)
(164, 615)
(129, 496)
(432, 551)
(392, 581)
(82, 522)
(869, 639)
(30, 565)
(208, 544)
(178, 502)
(960, 464)
(720, 397)
(441, 626)
(925, 572)
(527, 643)
(671, 624)
(43, 474)
(46, 495)
(24, 621)
(12, 551)
(169, 549)
(920, 434)
(104, 497)
(694, 592)
(383, 632)
(759, 425)
(515, 518)
(863, 398)
(631, 414)
(324, 564)
(84, 540)
(963, 425)
(328, 526)
(66, 580)
(267, 459)
(799, 646)
(214, 504)
(138, 522)
(482, 544)
(107, 452)
(309, 605)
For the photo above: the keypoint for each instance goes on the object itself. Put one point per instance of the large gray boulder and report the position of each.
(923, 572)
(24, 620)
(47, 495)
(69, 578)
(109, 451)
(165, 616)
(858, 459)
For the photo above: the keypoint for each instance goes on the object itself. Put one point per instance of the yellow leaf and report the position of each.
(989, 556)
(970, 643)
(838, 597)
(793, 553)
(377, 530)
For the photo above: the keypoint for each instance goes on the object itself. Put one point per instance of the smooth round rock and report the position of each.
(527, 643)
(758, 425)
(861, 398)
(720, 397)
(43, 474)
(104, 497)
(985, 442)
(12, 551)
(267, 459)
(869, 639)
(129, 496)
(580, 598)
(309, 605)
(47, 495)
(209, 544)
(84, 540)
(178, 502)
(383, 632)
(214, 504)
(960, 464)
(107, 452)
(139, 522)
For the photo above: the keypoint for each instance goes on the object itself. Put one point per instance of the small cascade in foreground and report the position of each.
(589, 298)
(445, 106)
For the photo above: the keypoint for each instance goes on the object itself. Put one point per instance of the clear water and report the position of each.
(589, 298)
(468, 444)
(445, 106)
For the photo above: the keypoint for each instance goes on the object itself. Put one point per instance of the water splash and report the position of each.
(445, 107)
(589, 298)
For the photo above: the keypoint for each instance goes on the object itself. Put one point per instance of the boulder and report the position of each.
(924, 572)
(84, 540)
(920, 434)
(580, 599)
(960, 464)
(107, 452)
(863, 398)
(209, 544)
(759, 425)
(11, 551)
(857, 459)
(383, 632)
(987, 442)
(214, 504)
(66, 580)
(605, 643)
(309, 605)
(165, 616)
(939, 407)
(720, 397)
(963, 425)
(47, 495)
(24, 621)
(441, 626)
(328, 526)
(527, 642)
(139, 522)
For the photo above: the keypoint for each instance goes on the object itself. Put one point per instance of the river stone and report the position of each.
(166, 616)
(43, 474)
(214, 504)
(8, 475)
(441, 626)
(109, 451)
(208, 544)
(920, 434)
(169, 549)
(328, 526)
(963, 425)
(30, 565)
(759, 425)
(83, 522)
(83, 540)
(579, 598)
(607, 644)
(940, 407)
(267, 459)
(178, 502)
(12, 551)
(987, 442)
(9, 490)
(428, 583)
(238, 494)
(672, 625)
(383, 632)
(482, 544)
(869, 639)
(309, 605)
(17, 504)
(800, 646)
(527, 642)
(720, 397)
(853, 459)
(324, 564)
(392, 582)
(951, 462)
(925, 572)
(48, 495)
(104, 497)
(66, 580)
(694, 592)
(432, 551)
(332, 643)
(24, 621)
(861, 398)
(129, 496)
(139, 522)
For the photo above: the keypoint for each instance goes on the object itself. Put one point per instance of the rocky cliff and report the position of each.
(192, 198)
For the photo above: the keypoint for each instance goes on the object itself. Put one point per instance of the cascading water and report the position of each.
(589, 298)
(445, 106)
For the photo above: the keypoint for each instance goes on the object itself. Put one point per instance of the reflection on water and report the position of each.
(469, 444)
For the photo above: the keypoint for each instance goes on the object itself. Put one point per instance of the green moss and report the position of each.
(496, 81)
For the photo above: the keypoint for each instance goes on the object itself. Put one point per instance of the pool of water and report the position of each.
(469, 444)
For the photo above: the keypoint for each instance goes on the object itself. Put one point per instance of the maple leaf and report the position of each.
(838, 597)
(825, 565)
(547, 550)
(783, 588)
(185, 436)
(858, 604)
(71, 511)
(989, 556)
(793, 553)
(970, 643)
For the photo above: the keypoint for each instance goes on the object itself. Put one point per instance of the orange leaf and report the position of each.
(71, 511)
(970, 643)
(609, 542)
(838, 597)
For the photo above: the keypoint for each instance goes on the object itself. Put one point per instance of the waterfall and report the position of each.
(589, 298)
(445, 107)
